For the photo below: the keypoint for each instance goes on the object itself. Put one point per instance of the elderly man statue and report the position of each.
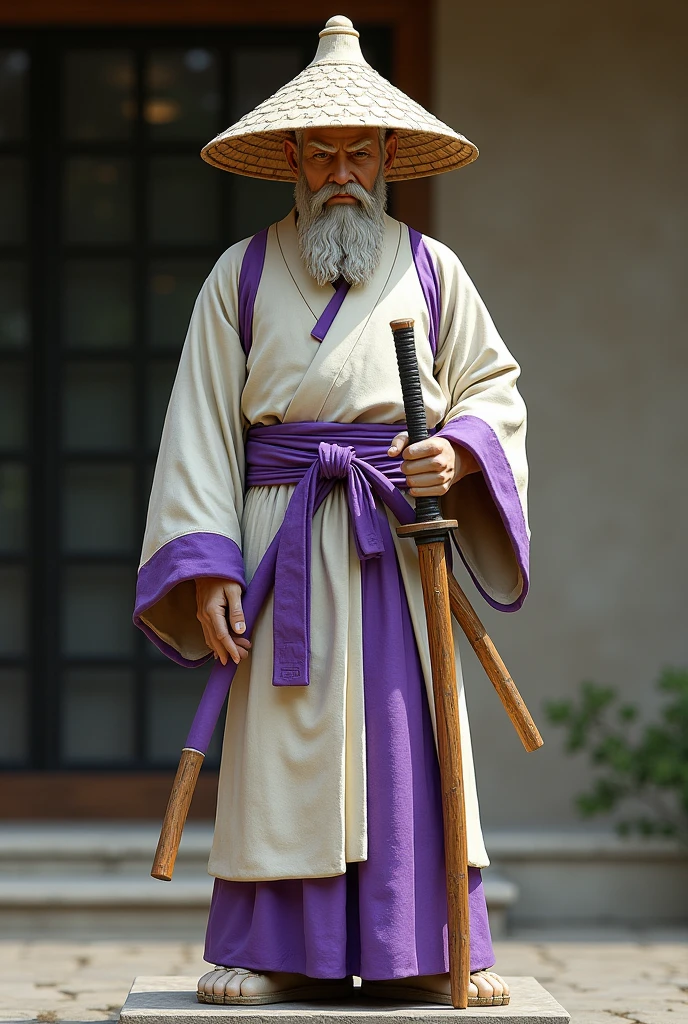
(328, 848)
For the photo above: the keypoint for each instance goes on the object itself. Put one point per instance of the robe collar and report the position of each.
(324, 301)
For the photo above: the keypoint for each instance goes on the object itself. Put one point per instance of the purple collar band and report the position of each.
(341, 290)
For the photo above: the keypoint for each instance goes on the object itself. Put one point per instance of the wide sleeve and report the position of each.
(487, 416)
(193, 526)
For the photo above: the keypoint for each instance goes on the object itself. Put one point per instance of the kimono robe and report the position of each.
(292, 800)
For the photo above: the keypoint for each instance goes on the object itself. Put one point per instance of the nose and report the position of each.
(341, 172)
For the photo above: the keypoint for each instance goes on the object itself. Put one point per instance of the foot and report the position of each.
(482, 985)
(487, 985)
(231, 982)
(237, 984)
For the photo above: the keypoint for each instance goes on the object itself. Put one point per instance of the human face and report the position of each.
(340, 155)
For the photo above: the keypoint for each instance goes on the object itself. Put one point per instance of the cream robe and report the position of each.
(292, 792)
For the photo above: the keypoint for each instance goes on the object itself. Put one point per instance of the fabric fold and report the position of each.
(480, 440)
(181, 561)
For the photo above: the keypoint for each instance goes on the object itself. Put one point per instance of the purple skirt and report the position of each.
(387, 917)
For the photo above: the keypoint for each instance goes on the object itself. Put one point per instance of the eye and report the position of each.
(321, 156)
(362, 153)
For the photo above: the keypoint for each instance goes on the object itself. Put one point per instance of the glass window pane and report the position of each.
(99, 94)
(12, 200)
(96, 610)
(97, 407)
(258, 71)
(97, 199)
(183, 200)
(14, 616)
(160, 381)
(14, 314)
(98, 312)
(14, 506)
(14, 75)
(254, 205)
(14, 709)
(13, 405)
(97, 716)
(174, 696)
(173, 287)
(98, 509)
(183, 97)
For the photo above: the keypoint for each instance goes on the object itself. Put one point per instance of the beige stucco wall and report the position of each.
(573, 225)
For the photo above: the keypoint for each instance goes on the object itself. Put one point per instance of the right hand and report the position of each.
(218, 604)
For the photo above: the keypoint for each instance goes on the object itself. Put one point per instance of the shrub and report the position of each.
(651, 768)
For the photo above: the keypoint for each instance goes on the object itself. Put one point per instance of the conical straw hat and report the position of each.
(338, 88)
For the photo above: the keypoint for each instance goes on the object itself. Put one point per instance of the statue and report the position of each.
(328, 847)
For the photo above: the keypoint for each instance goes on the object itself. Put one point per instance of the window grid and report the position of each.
(50, 361)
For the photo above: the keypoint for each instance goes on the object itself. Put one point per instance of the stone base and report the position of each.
(159, 1000)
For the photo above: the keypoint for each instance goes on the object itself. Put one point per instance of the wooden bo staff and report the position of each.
(496, 670)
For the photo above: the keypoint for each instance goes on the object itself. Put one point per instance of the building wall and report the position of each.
(572, 223)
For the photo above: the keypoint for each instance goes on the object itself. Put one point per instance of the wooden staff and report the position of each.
(178, 805)
(496, 670)
(430, 532)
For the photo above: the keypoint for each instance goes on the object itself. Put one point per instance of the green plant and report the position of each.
(651, 767)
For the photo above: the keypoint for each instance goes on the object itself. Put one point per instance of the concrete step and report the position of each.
(95, 879)
(102, 892)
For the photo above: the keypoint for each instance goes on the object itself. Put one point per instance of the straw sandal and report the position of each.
(316, 989)
(408, 994)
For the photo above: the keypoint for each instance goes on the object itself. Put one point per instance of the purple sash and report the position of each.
(314, 456)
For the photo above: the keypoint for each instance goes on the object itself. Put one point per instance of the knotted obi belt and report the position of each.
(315, 457)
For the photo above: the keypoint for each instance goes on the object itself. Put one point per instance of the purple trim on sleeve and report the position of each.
(481, 441)
(249, 279)
(341, 289)
(429, 283)
(184, 558)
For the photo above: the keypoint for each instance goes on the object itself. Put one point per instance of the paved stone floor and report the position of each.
(641, 980)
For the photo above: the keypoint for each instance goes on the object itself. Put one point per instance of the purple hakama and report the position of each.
(387, 917)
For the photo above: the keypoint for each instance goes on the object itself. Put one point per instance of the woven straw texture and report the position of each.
(340, 91)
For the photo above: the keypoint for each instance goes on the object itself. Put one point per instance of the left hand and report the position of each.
(433, 465)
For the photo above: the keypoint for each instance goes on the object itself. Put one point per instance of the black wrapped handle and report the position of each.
(427, 508)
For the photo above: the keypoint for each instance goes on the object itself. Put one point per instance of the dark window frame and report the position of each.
(47, 357)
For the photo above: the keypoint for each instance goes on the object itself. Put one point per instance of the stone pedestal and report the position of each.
(172, 1000)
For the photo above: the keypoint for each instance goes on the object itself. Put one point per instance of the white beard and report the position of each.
(341, 240)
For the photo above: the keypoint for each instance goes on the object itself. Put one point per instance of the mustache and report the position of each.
(351, 188)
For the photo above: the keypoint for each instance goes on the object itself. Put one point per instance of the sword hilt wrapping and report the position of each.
(427, 508)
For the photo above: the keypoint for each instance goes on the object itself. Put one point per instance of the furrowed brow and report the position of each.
(360, 144)
(321, 145)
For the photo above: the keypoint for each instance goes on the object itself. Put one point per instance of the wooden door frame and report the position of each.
(136, 795)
